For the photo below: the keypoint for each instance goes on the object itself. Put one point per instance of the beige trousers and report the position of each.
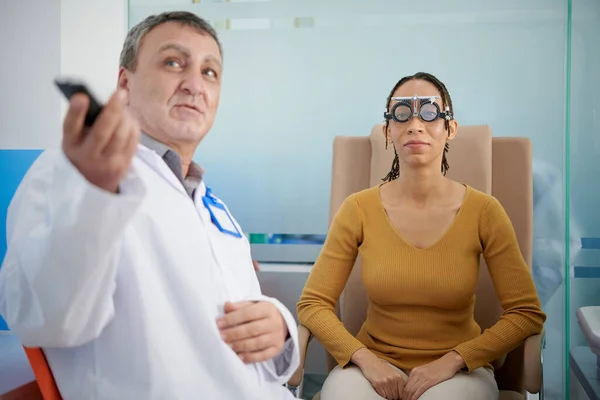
(349, 384)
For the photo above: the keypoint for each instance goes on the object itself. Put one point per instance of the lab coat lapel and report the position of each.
(158, 165)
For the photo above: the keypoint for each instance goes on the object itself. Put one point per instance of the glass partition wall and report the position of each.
(300, 72)
(583, 189)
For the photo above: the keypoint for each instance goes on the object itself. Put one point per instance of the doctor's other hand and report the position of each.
(256, 331)
(387, 381)
(103, 152)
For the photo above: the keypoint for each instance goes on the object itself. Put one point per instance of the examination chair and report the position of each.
(501, 166)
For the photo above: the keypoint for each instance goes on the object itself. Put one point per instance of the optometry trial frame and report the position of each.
(423, 107)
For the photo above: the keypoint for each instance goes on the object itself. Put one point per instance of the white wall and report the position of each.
(30, 49)
(42, 40)
(92, 33)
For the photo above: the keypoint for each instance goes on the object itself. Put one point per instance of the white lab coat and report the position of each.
(123, 291)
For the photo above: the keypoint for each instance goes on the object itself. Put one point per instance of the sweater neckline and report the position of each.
(442, 238)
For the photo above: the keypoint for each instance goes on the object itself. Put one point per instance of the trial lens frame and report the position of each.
(421, 101)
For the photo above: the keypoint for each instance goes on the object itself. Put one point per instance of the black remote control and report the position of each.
(69, 88)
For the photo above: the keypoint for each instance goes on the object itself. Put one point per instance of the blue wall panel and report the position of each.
(13, 166)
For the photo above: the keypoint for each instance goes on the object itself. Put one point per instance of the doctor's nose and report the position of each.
(193, 84)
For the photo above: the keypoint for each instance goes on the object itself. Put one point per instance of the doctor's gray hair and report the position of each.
(135, 36)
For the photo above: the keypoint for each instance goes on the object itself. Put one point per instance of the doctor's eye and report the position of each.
(173, 63)
(211, 73)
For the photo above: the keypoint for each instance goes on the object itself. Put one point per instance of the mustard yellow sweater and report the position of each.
(421, 301)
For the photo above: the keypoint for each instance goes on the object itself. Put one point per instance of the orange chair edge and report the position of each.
(43, 374)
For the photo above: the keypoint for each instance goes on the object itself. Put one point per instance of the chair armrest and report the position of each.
(532, 360)
(304, 338)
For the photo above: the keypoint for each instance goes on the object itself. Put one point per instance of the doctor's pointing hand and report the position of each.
(104, 152)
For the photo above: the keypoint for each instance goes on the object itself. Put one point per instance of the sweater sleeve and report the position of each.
(316, 308)
(522, 316)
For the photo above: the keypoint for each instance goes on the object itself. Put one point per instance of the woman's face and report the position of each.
(419, 143)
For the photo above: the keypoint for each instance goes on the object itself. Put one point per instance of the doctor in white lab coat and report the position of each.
(122, 265)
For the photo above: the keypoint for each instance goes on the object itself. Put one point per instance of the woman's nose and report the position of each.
(415, 125)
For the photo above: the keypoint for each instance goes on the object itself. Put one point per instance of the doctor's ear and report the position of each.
(123, 82)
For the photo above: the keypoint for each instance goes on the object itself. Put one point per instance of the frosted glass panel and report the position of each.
(298, 73)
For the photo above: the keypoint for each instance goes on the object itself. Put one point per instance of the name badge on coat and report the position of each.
(219, 215)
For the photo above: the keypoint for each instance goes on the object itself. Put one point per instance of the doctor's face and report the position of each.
(175, 88)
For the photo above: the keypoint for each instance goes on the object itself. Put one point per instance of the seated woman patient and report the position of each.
(420, 236)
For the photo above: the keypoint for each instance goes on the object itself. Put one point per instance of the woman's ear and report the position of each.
(452, 129)
(385, 129)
